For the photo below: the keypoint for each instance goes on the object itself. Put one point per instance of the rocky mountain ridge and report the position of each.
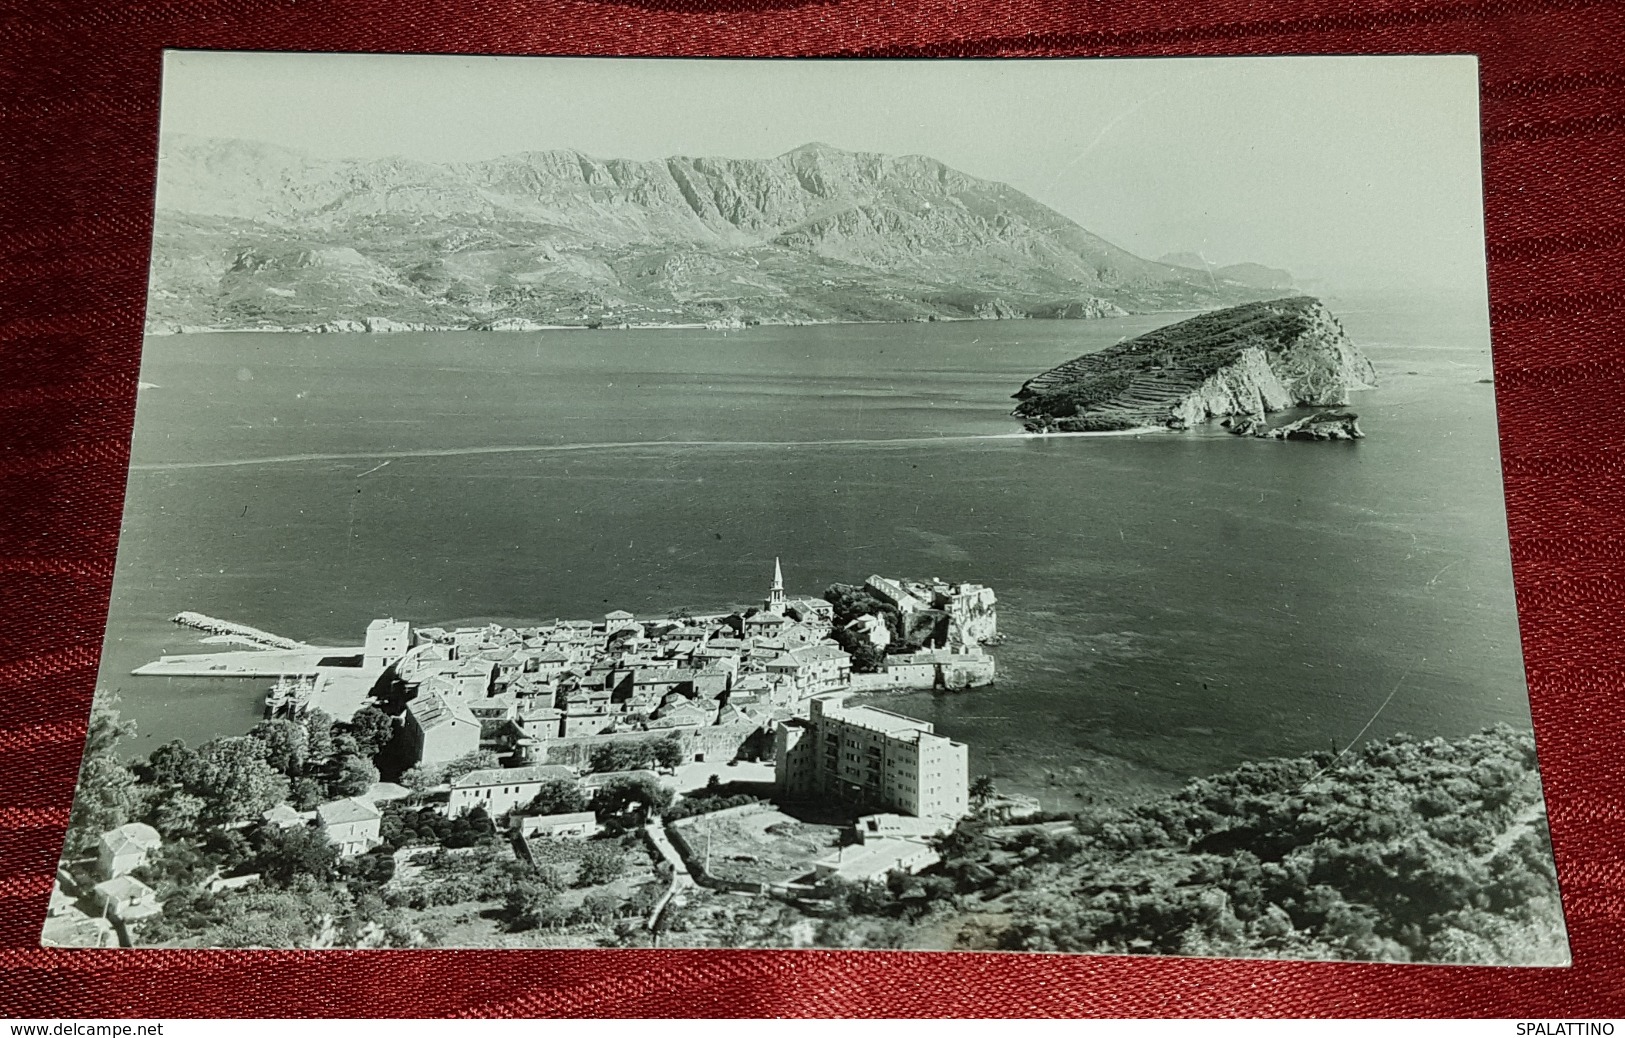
(1255, 274)
(250, 235)
(1245, 360)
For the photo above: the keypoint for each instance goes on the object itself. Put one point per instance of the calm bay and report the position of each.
(1173, 604)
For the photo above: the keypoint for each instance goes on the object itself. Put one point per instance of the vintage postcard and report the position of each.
(1009, 505)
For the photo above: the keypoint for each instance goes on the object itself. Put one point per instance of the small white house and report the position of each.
(127, 898)
(351, 824)
(125, 849)
(874, 859)
(578, 825)
(500, 790)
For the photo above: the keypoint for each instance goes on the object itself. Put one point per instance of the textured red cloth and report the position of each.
(78, 124)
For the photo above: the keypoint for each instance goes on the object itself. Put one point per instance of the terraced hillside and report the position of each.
(1244, 360)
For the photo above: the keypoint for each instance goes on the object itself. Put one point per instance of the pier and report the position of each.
(251, 663)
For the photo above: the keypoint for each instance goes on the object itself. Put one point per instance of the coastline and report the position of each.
(391, 327)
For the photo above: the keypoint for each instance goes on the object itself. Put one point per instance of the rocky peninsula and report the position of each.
(1246, 360)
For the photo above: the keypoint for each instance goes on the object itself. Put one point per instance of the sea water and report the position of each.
(1172, 603)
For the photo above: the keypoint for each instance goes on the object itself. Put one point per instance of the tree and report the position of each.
(318, 737)
(962, 849)
(641, 901)
(867, 657)
(230, 848)
(600, 863)
(599, 907)
(283, 855)
(530, 903)
(177, 865)
(559, 796)
(287, 745)
(374, 868)
(174, 764)
(106, 796)
(625, 755)
(476, 760)
(423, 777)
(306, 793)
(615, 756)
(630, 792)
(372, 729)
(234, 780)
(177, 814)
(356, 776)
(668, 752)
(982, 790)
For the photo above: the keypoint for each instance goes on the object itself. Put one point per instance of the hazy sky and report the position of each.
(1343, 168)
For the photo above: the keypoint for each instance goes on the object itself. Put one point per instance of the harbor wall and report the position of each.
(950, 672)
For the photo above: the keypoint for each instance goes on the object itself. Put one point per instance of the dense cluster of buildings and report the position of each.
(779, 671)
(523, 689)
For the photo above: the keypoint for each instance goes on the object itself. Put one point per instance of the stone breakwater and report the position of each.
(1245, 360)
(252, 635)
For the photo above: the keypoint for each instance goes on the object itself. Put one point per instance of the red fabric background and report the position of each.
(78, 121)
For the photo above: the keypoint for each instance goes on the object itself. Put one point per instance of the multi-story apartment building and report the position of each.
(873, 757)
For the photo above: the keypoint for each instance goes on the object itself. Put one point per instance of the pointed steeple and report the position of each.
(775, 593)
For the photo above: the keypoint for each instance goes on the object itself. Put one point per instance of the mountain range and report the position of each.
(1257, 275)
(251, 235)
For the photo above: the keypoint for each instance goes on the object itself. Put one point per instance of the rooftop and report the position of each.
(876, 719)
(573, 818)
(350, 809)
(875, 858)
(432, 711)
(385, 791)
(121, 887)
(513, 776)
(821, 651)
(132, 834)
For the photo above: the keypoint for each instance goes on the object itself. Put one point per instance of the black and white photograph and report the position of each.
(1000, 505)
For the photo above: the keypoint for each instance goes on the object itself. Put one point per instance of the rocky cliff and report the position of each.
(1244, 360)
(249, 235)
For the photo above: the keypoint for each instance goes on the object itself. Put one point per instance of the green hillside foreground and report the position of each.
(1406, 851)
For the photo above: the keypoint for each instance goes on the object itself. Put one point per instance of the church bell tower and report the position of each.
(775, 593)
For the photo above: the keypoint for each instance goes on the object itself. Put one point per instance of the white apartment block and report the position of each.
(872, 756)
